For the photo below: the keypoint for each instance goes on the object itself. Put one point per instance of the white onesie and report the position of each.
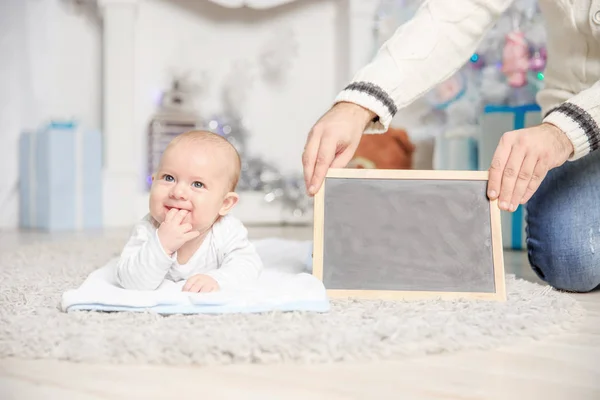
(226, 255)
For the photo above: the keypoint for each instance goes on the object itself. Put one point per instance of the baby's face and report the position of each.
(194, 177)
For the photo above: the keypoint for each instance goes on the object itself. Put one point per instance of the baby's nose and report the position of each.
(178, 192)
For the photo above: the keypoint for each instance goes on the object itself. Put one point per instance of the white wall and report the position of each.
(50, 67)
(12, 16)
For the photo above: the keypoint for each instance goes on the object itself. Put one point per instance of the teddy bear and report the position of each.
(390, 150)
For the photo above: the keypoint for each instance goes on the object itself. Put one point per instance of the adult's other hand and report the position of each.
(332, 142)
(522, 160)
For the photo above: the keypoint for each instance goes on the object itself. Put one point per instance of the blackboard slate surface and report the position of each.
(384, 233)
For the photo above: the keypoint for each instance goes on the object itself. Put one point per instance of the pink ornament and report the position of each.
(515, 59)
(537, 62)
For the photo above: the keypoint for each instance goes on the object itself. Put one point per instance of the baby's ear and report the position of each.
(229, 202)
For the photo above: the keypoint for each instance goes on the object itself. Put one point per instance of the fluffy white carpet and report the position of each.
(33, 278)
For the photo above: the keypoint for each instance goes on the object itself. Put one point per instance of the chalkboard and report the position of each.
(408, 234)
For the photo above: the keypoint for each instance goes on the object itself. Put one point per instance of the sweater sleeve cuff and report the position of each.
(579, 126)
(373, 98)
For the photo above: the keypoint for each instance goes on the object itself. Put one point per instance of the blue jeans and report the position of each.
(563, 226)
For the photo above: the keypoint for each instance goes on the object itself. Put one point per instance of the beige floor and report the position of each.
(566, 367)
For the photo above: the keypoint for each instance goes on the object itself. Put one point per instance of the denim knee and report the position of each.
(563, 226)
(566, 260)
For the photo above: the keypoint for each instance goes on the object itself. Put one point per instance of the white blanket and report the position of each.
(285, 284)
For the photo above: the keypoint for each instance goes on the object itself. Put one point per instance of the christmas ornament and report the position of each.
(477, 61)
(537, 63)
(515, 59)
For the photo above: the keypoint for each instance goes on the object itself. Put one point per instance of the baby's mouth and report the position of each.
(176, 208)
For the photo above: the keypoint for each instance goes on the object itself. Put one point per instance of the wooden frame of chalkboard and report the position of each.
(459, 257)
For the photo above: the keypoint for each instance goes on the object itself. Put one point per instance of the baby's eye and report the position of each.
(168, 178)
(198, 185)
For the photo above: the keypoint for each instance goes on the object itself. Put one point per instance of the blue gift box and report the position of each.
(60, 168)
(495, 121)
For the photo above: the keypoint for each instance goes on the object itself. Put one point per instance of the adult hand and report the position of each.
(522, 160)
(333, 141)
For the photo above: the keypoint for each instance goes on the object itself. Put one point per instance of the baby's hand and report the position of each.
(172, 233)
(200, 283)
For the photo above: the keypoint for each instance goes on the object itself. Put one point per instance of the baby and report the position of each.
(188, 234)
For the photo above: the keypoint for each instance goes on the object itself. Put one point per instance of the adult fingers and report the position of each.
(523, 178)
(343, 158)
(497, 166)
(325, 156)
(509, 178)
(310, 154)
(539, 173)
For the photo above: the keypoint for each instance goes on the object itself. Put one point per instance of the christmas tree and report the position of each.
(506, 69)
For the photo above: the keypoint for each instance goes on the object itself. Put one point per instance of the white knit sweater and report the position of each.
(445, 33)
